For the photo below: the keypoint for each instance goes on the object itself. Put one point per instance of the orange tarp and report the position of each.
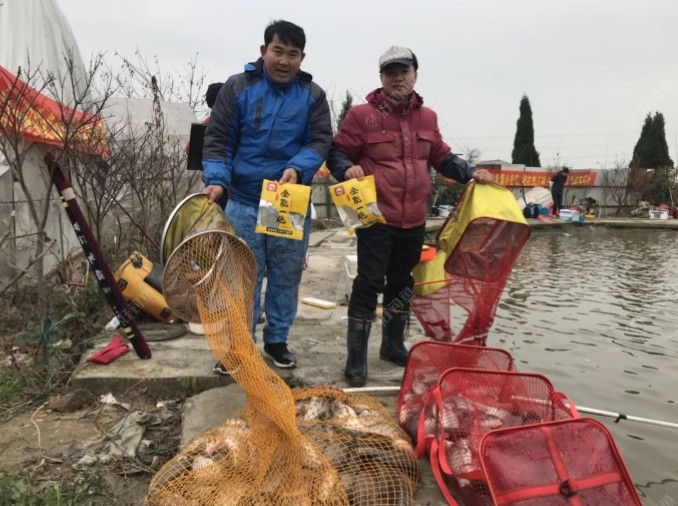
(26, 112)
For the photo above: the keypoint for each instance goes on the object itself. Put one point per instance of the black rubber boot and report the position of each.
(392, 348)
(356, 363)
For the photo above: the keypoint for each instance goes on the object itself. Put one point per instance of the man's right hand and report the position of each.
(213, 192)
(354, 172)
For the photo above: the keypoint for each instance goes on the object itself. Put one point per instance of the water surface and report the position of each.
(596, 310)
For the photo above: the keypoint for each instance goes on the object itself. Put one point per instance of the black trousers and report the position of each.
(557, 201)
(386, 257)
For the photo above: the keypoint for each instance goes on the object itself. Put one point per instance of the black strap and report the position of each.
(566, 490)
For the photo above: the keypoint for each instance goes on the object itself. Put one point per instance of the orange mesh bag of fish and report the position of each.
(427, 360)
(479, 244)
(564, 463)
(318, 446)
(472, 402)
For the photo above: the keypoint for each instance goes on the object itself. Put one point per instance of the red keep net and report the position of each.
(487, 250)
(433, 313)
(565, 463)
(472, 402)
(476, 272)
(477, 299)
(426, 362)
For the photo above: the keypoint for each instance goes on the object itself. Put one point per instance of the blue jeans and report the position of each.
(283, 261)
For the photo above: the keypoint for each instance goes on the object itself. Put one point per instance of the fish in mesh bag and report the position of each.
(472, 402)
(351, 452)
(316, 447)
(427, 361)
(373, 457)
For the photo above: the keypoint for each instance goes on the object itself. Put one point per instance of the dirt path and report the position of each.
(69, 440)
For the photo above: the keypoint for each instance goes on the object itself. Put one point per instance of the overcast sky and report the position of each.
(591, 68)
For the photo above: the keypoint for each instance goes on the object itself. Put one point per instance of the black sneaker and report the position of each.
(221, 369)
(281, 356)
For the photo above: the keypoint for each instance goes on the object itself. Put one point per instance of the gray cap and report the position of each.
(397, 54)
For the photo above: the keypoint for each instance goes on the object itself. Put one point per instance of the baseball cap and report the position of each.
(397, 54)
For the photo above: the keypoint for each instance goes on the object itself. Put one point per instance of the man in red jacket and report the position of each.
(395, 138)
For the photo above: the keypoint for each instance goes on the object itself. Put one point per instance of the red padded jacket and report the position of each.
(397, 142)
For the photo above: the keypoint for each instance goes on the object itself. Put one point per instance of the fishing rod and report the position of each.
(622, 416)
(96, 259)
(582, 409)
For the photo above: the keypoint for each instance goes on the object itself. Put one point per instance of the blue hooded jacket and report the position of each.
(258, 129)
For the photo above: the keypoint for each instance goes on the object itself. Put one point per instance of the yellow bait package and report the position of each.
(282, 209)
(356, 201)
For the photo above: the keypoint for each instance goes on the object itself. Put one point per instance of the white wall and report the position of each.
(17, 253)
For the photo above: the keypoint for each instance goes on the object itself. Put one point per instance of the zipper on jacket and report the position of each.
(257, 118)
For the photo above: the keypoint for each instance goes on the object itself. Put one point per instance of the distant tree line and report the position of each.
(651, 152)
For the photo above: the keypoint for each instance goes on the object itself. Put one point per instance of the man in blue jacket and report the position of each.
(269, 122)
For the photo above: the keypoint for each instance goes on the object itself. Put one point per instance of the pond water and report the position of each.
(595, 309)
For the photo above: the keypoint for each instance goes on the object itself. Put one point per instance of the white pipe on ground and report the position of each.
(582, 409)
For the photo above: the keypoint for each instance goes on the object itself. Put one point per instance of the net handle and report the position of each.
(422, 443)
(437, 474)
(437, 395)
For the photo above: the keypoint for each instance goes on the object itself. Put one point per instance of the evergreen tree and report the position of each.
(651, 150)
(640, 154)
(657, 142)
(345, 106)
(523, 146)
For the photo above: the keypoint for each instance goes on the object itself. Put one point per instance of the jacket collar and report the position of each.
(380, 100)
(257, 68)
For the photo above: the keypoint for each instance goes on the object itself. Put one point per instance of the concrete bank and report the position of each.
(183, 365)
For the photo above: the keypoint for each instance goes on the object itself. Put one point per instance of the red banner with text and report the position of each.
(512, 178)
(26, 112)
(528, 179)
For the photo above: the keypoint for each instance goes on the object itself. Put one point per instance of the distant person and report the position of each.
(269, 122)
(210, 98)
(558, 189)
(395, 138)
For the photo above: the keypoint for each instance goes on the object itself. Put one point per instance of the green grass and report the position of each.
(20, 390)
(55, 342)
(11, 384)
(16, 491)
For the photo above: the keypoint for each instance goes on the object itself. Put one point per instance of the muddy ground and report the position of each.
(47, 445)
(43, 440)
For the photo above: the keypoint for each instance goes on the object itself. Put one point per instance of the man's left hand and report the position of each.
(483, 176)
(289, 175)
